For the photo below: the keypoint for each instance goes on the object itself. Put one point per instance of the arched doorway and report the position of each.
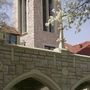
(30, 84)
(84, 86)
(32, 79)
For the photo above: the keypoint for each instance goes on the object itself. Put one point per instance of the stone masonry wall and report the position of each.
(63, 68)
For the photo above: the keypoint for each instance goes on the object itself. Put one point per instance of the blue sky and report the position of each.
(9, 12)
(82, 36)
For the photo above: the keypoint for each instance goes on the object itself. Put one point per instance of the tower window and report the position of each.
(44, 3)
(51, 28)
(51, 6)
(11, 38)
(50, 2)
(47, 11)
(22, 16)
(49, 47)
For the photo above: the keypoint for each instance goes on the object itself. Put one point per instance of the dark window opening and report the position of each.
(49, 47)
(11, 38)
(30, 84)
(51, 6)
(51, 28)
(47, 11)
(44, 3)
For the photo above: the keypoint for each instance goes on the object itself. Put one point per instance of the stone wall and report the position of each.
(64, 69)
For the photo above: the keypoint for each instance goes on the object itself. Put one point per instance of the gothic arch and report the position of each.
(36, 74)
(87, 78)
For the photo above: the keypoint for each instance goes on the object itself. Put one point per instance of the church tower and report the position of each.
(30, 17)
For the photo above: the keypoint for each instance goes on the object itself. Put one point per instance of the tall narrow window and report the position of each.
(22, 16)
(47, 11)
(25, 15)
(51, 6)
(44, 5)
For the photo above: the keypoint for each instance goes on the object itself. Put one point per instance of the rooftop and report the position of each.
(8, 29)
(82, 48)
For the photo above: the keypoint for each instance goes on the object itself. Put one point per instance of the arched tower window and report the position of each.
(22, 15)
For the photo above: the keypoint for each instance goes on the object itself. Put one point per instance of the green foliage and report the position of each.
(74, 12)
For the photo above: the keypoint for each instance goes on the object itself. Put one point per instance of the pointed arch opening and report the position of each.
(30, 84)
(83, 84)
(34, 80)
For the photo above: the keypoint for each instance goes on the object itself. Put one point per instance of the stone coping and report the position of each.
(34, 48)
(65, 51)
(82, 55)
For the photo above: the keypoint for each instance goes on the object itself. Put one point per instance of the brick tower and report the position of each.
(30, 17)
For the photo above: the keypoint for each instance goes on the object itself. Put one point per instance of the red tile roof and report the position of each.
(8, 29)
(82, 48)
